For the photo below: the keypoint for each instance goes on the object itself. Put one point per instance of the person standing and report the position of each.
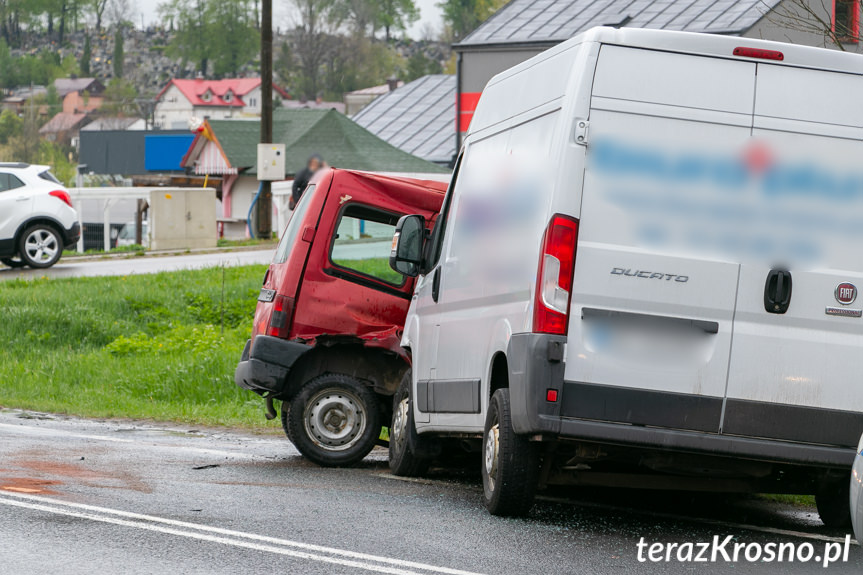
(301, 180)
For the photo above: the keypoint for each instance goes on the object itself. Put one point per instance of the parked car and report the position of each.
(857, 493)
(37, 220)
(609, 286)
(325, 339)
(126, 236)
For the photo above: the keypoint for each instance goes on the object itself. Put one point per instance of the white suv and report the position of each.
(37, 220)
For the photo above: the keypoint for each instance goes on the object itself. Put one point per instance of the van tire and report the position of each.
(403, 434)
(834, 504)
(334, 420)
(510, 463)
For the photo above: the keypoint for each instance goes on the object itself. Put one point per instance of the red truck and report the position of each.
(327, 328)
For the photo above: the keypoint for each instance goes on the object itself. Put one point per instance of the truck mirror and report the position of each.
(406, 254)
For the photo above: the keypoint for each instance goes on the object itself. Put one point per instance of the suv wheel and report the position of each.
(510, 467)
(403, 434)
(40, 246)
(334, 420)
(14, 262)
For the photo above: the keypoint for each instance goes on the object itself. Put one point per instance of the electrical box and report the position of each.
(271, 162)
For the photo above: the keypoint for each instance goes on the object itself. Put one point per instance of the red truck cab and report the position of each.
(327, 328)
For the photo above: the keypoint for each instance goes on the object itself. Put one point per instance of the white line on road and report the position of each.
(226, 536)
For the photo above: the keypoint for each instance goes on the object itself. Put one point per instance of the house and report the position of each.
(227, 150)
(80, 94)
(359, 99)
(64, 128)
(524, 28)
(318, 104)
(111, 123)
(182, 100)
(19, 99)
(418, 118)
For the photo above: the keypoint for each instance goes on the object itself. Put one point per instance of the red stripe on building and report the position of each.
(468, 101)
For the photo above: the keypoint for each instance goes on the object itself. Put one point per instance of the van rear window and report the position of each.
(363, 242)
(293, 227)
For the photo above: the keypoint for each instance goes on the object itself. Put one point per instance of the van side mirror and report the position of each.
(406, 254)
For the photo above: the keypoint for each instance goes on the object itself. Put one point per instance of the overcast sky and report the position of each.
(429, 13)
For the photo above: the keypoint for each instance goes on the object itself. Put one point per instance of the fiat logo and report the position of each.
(846, 293)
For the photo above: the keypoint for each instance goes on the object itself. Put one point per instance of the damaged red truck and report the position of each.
(327, 328)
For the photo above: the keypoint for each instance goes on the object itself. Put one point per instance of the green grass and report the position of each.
(158, 346)
(375, 267)
(225, 243)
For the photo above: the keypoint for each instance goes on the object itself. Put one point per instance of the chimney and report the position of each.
(392, 83)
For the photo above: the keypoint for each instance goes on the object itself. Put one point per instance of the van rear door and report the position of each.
(651, 317)
(794, 373)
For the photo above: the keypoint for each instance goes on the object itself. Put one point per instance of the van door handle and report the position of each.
(777, 291)
(436, 284)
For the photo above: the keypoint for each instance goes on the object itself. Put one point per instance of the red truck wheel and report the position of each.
(334, 420)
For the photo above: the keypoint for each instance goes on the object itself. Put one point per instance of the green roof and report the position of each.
(339, 141)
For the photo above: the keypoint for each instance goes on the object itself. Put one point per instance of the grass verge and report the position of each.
(160, 346)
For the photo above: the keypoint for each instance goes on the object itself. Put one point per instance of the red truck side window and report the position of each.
(363, 241)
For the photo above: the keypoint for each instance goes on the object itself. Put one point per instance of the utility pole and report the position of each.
(265, 201)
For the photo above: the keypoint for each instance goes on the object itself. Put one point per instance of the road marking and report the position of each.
(287, 547)
(645, 512)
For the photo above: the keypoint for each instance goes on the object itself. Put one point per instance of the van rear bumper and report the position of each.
(266, 362)
(536, 366)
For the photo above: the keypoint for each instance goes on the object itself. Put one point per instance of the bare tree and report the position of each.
(816, 17)
(317, 21)
(120, 11)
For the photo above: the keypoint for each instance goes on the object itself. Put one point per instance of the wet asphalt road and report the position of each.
(72, 267)
(124, 497)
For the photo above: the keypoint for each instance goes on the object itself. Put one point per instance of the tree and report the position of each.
(85, 57)
(218, 32)
(421, 65)
(119, 56)
(119, 11)
(832, 23)
(319, 20)
(463, 16)
(99, 7)
(10, 126)
(396, 15)
(119, 98)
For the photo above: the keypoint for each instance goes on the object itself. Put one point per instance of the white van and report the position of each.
(647, 262)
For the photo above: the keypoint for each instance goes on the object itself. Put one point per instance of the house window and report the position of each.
(206, 96)
(227, 96)
(846, 20)
(253, 102)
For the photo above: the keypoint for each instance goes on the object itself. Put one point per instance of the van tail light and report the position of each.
(62, 195)
(759, 53)
(554, 276)
(280, 320)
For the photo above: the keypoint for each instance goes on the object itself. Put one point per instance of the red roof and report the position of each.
(194, 90)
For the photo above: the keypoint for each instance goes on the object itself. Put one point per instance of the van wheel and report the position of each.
(510, 468)
(334, 420)
(286, 417)
(14, 262)
(40, 246)
(833, 502)
(403, 434)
